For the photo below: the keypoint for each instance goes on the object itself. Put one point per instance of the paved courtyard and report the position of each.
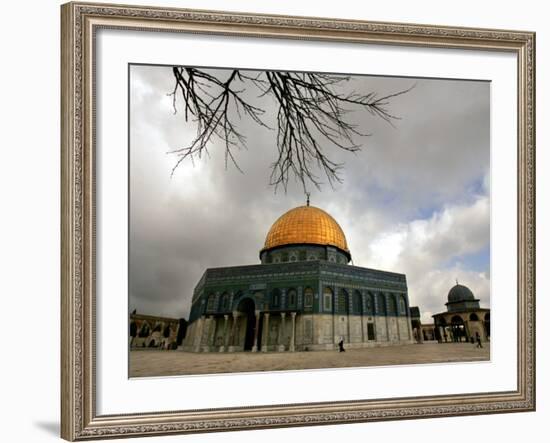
(144, 363)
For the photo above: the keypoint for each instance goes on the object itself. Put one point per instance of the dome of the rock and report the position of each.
(306, 225)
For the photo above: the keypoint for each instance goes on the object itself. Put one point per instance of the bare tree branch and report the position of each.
(311, 113)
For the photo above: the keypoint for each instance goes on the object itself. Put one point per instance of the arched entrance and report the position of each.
(458, 329)
(487, 324)
(246, 306)
(441, 329)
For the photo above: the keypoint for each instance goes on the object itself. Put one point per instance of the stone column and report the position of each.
(397, 322)
(334, 312)
(293, 332)
(467, 330)
(198, 341)
(211, 333)
(362, 316)
(387, 318)
(350, 307)
(281, 337)
(223, 347)
(255, 347)
(265, 332)
(232, 346)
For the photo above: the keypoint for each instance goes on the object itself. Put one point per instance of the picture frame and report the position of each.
(80, 24)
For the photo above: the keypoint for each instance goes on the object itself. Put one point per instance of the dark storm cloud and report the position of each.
(417, 187)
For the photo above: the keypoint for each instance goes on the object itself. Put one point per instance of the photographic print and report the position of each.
(306, 220)
(292, 201)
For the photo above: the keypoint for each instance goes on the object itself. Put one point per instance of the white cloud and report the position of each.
(429, 252)
(452, 232)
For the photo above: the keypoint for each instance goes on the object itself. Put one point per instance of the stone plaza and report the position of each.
(144, 363)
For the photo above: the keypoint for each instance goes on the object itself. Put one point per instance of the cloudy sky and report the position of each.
(414, 200)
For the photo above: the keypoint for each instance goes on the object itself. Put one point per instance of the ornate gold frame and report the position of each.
(79, 420)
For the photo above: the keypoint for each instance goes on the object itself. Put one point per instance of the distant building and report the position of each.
(416, 324)
(149, 331)
(421, 332)
(464, 319)
(428, 332)
(460, 323)
(303, 296)
(182, 331)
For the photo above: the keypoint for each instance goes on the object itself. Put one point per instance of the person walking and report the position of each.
(341, 345)
(478, 339)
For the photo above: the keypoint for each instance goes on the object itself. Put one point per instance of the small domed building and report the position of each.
(464, 318)
(304, 295)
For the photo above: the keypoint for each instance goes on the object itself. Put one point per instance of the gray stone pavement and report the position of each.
(146, 363)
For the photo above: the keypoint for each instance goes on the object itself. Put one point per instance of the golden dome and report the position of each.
(306, 225)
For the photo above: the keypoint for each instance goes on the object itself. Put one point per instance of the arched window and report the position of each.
(144, 330)
(474, 317)
(402, 305)
(211, 303)
(284, 257)
(369, 303)
(327, 298)
(225, 302)
(381, 299)
(392, 308)
(302, 255)
(276, 297)
(166, 332)
(343, 305)
(357, 303)
(308, 297)
(292, 298)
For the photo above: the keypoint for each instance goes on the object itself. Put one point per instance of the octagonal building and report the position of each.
(303, 296)
(464, 319)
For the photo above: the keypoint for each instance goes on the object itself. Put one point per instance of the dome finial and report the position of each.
(307, 198)
(456, 279)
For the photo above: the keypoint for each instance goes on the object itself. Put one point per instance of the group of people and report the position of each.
(472, 340)
(456, 339)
